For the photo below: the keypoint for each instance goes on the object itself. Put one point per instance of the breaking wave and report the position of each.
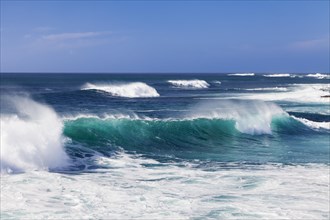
(241, 74)
(130, 90)
(195, 83)
(268, 89)
(179, 137)
(278, 75)
(313, 124)
(251, 117)
(32, 138)
(313, 93)
(319, 76)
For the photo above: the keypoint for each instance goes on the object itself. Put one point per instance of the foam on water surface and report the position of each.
(195, 83)
(32, 138)
(130, 90)
(140, 188)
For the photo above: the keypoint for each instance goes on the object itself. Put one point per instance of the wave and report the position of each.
(251, 117)
(130, 90)
(216, 82)
(311, 93)
(104, 116)
(195, 83)
(241, 74)
(278, 75)
(319, 76)
(313, 124)
(268, 89)
(178, 137)
(32, 138)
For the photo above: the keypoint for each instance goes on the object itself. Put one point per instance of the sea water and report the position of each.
(157, 146)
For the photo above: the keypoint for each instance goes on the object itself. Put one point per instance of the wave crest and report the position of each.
(268, 89)
(278, 75)
(32, 138)
(130, 90)
(319, 76)
(251, 117)
(241, 74)
(195, 83)
(313, 124)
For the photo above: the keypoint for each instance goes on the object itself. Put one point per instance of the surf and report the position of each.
(196, 83)
(129, 90)
(31, 139)
(278, 75)
(241, 74)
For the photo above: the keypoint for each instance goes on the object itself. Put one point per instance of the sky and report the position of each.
(165, 36)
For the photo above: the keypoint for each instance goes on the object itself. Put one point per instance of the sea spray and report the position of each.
(130, 90)
(195, 83)
(251, 117)
(32, 138)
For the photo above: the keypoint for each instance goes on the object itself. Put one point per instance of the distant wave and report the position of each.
(32, 138)
(268, 89)
(195, 83)
(130, 90)
(241, 74)
(297, 93)
(319, 76)
(278, 75)
(216, 82)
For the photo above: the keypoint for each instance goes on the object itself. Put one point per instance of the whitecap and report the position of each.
(241, 74)
(278, 75)
(319, 76)
(313, 124)
(130, 90)
(251, 117)
(32, 138)
(195, 83)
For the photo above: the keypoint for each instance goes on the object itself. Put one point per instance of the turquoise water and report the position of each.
(220, 141)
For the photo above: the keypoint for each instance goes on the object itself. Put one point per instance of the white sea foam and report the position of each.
(319, 76)
(268, 89)
(313, 124)
(32, 138)
(311, 93)
(241, 74)
(251, 117)
(278, 75)
(105, 116)
(195, 83)
(130, 90)
(132, 190)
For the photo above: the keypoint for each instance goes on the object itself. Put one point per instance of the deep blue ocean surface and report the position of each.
(165, 145)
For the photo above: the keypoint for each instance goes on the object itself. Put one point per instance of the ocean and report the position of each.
(165, 146)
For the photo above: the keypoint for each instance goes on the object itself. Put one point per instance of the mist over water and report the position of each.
(31, 138)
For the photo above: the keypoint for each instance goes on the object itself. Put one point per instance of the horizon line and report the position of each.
(240, 72)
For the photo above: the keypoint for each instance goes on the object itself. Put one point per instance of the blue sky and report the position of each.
(166, 36)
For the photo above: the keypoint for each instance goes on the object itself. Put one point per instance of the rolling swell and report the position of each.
(185, 138)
